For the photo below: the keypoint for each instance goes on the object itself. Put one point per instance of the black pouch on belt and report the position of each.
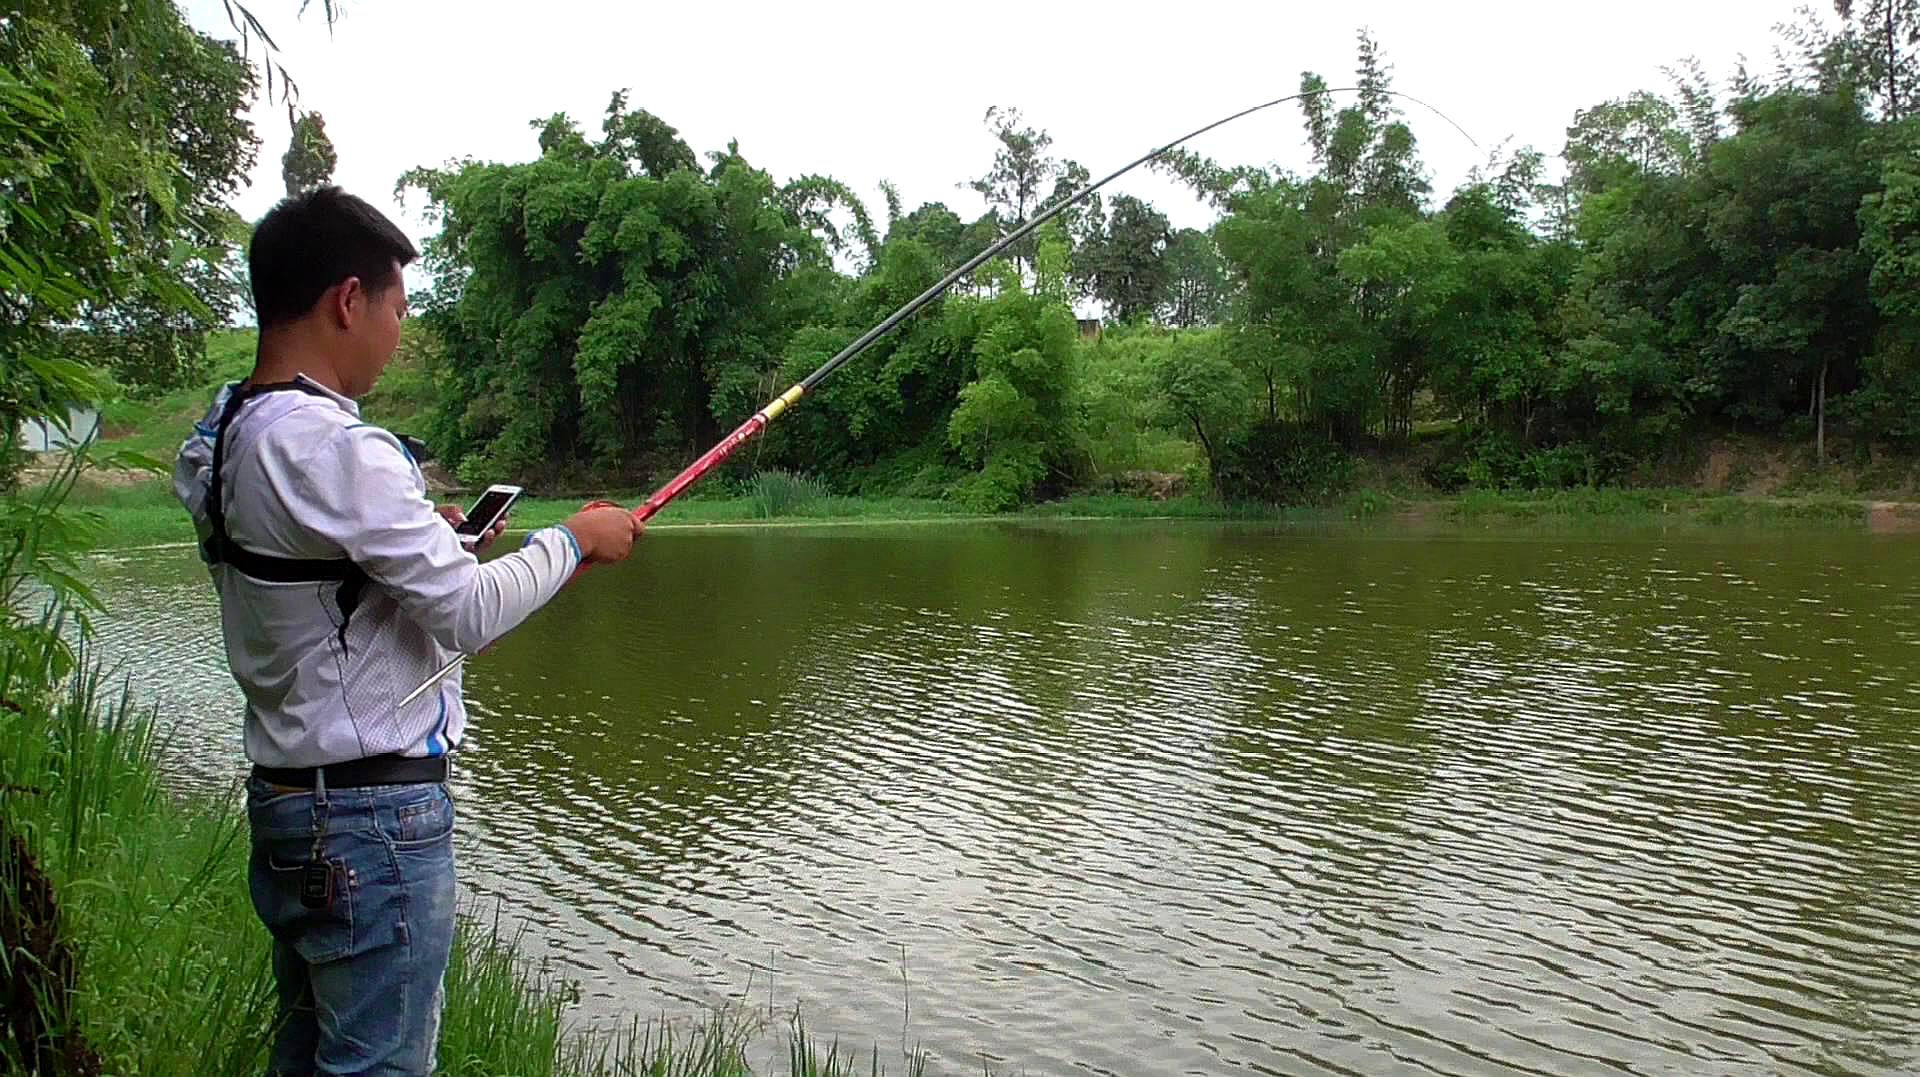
(316, 885)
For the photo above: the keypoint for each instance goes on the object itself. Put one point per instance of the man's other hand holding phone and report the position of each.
(481, 524)
(455, 516)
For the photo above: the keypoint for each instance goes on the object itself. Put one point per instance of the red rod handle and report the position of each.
(697, 470)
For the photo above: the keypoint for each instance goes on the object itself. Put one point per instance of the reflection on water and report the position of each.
(1198, 799)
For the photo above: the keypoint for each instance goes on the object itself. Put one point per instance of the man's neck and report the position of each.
(283, 355)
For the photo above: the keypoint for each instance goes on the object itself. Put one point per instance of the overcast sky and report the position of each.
(873, 91)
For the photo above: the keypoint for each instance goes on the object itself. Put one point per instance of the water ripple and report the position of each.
(1206, 799)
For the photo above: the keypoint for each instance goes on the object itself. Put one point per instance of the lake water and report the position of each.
(1193, 798)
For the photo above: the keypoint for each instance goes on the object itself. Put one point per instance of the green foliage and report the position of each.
(811, 199)
(1880, 47)
(1282, 463)
(1195, 387)
(1198, 289)
(409, 389)
(608, 304)
(612, 307)
(1492, 459)
(1123, 422)
(124, 137)
(783, 493)
(1011, 421)
(310, 159)
(1022, 177)
(163, 987)
(897, 398)
(1616, 142)
(1888, 403)
(1125, 265)
(1783, 197)
(120, 139)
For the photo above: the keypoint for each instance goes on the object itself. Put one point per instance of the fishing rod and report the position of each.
(715, 456)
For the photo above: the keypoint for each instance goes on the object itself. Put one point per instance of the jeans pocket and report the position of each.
(278, 811)
(277, 880)
(424, 822)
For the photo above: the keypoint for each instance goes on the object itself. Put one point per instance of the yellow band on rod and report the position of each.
(784, 402)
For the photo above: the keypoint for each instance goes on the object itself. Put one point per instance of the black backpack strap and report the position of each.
(221, 549)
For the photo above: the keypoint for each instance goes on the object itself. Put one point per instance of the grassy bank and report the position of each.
(156, 425)
(1663, 505)
(145, 513)
(125, 915)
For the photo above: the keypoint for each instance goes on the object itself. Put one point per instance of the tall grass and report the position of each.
(784, 493)
(149, 896)
(510, 1018)
(172, 973)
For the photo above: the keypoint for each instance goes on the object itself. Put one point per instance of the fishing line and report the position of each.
(715, 456)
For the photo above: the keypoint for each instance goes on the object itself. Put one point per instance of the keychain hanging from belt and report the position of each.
(317, 877)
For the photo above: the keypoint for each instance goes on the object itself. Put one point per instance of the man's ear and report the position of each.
(346, 302)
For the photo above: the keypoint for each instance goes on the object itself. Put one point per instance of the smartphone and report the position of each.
(486, 512)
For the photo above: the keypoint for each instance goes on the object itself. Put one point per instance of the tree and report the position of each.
(1198, 289)
(897, 399)
(1890, 236)
(1327, 331)
(1198, 388)
(1406, 271)
(1699, 105)
(310, 159)
(1783, 214)
(812, 199)
(1885, 34)
(1124, 266)
(1368, 158)
(1471, 312)
(117, 183)
(1012, 420)
(1081, 222)
(1615, 141)
(1296, 330)
(1022, 171)
(1641, 317)
(610, 303)
(120, 136)
(157, 112)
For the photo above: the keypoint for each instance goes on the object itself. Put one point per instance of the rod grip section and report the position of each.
(709, 460)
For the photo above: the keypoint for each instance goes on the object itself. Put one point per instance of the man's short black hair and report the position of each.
(311, 242)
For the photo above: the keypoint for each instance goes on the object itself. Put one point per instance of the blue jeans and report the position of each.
(360, 979)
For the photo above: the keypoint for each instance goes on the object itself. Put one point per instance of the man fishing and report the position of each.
(342, 588)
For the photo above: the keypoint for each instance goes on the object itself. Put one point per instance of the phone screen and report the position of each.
(484, 512)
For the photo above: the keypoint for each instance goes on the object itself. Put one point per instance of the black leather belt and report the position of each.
(374, 770)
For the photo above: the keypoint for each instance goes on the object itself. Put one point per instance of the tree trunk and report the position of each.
(1820, 419)
(1893, 71)
(1206, 445)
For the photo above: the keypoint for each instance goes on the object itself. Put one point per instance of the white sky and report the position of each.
(888, 90)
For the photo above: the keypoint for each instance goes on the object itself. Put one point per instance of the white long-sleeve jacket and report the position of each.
(303, 477)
